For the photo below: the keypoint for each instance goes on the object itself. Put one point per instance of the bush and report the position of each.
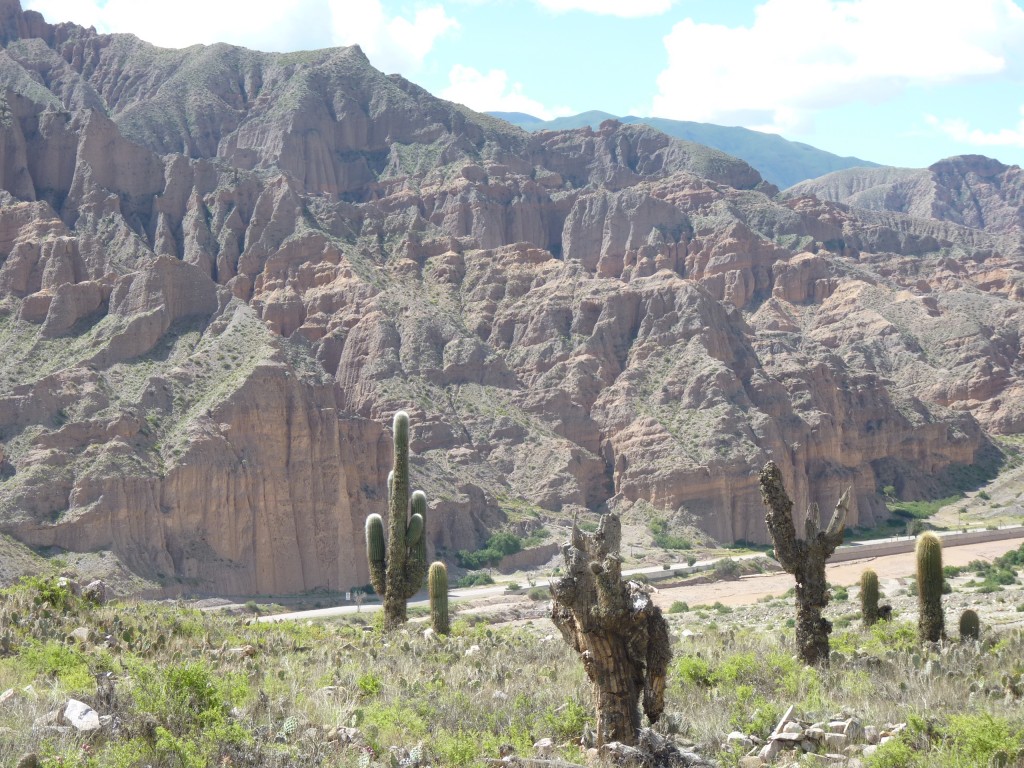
(474, 580)
(678, 607)
(498, 545)
(539, 593)
(664, 539)
(726, 569)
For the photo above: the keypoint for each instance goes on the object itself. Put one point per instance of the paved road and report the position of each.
(748, 589)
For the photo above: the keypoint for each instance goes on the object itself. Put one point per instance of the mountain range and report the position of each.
(222, 271)
(781, 162)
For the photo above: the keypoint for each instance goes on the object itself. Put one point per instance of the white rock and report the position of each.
(81, 716)
(544, 747)
(792, 728)
(835, 740)
(6, 696)
(472, 650)
(770, 751)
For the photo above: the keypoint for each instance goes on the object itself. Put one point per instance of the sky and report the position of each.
(899, 82)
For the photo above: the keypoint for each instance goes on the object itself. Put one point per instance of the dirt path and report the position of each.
(750, 588)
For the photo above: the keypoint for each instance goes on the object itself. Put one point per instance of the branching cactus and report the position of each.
(931, 621)
(437, 580)
(970, 625)
(805, 559)
(869, 597)
(398, 573)
(616, 628)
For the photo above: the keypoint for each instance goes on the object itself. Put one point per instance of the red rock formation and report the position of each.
(222, 271)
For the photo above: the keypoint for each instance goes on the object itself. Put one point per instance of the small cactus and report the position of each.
(869, 597)
(931, 622)
(437, 579)
(970, 625)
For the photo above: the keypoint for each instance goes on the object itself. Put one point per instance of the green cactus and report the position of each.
(869, 597)
(970, 625)
(398, 573)
(437, 579)
(930, 622)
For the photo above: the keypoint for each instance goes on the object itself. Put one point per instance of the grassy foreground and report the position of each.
(180, 688)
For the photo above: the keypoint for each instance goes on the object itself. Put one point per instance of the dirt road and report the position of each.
(750, 588)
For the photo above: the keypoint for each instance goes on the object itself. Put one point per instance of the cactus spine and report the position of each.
(930, 622)
(398, 573)
(869, 597)
(970, 625)
(437, 579)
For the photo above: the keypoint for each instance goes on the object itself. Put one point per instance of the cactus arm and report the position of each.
(375, 553)
(837, 525)
(779, 518)
(415, 530)
(416, 564)
(812, 523)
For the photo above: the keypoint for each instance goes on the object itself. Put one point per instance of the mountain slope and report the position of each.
(971, 190)
(216, 289)
(781, 162)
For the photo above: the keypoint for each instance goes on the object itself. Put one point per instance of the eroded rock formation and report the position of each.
(222, 271)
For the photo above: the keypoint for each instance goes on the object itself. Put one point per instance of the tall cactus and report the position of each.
(930, 622)
(805, 559)
(869, 597)
(437, 579)
(398, 574)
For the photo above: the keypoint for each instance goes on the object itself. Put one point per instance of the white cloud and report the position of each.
(799, 56)
(960, 130)
(392, 42)
(623, 8)
(492, 92)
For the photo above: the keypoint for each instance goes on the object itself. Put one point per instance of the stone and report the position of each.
(7, 696)
(835, 741)
(81, 716)
(544, 747)
(95, 591)
(871, 734)
(80, 635)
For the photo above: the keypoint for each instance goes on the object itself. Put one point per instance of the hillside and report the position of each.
(972, 190)
(781, 162)
(222, 271)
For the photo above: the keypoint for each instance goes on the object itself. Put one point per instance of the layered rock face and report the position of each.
(222, 271)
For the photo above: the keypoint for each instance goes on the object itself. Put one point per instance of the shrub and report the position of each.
(474, 580)
(678, 607)
(666, 540)
(726, 569)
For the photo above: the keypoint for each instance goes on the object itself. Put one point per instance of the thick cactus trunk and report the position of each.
(805, 559)
(438, 585)
(619, 633)
(869, 597)
(931, 621)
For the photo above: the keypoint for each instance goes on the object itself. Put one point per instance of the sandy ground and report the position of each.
(749, 589)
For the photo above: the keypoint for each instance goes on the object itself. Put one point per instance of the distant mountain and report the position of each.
(970, 190)
(782, 162)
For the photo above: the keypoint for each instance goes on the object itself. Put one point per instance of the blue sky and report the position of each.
(902, 82)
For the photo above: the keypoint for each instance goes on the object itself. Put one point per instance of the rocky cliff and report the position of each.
(221, 271)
